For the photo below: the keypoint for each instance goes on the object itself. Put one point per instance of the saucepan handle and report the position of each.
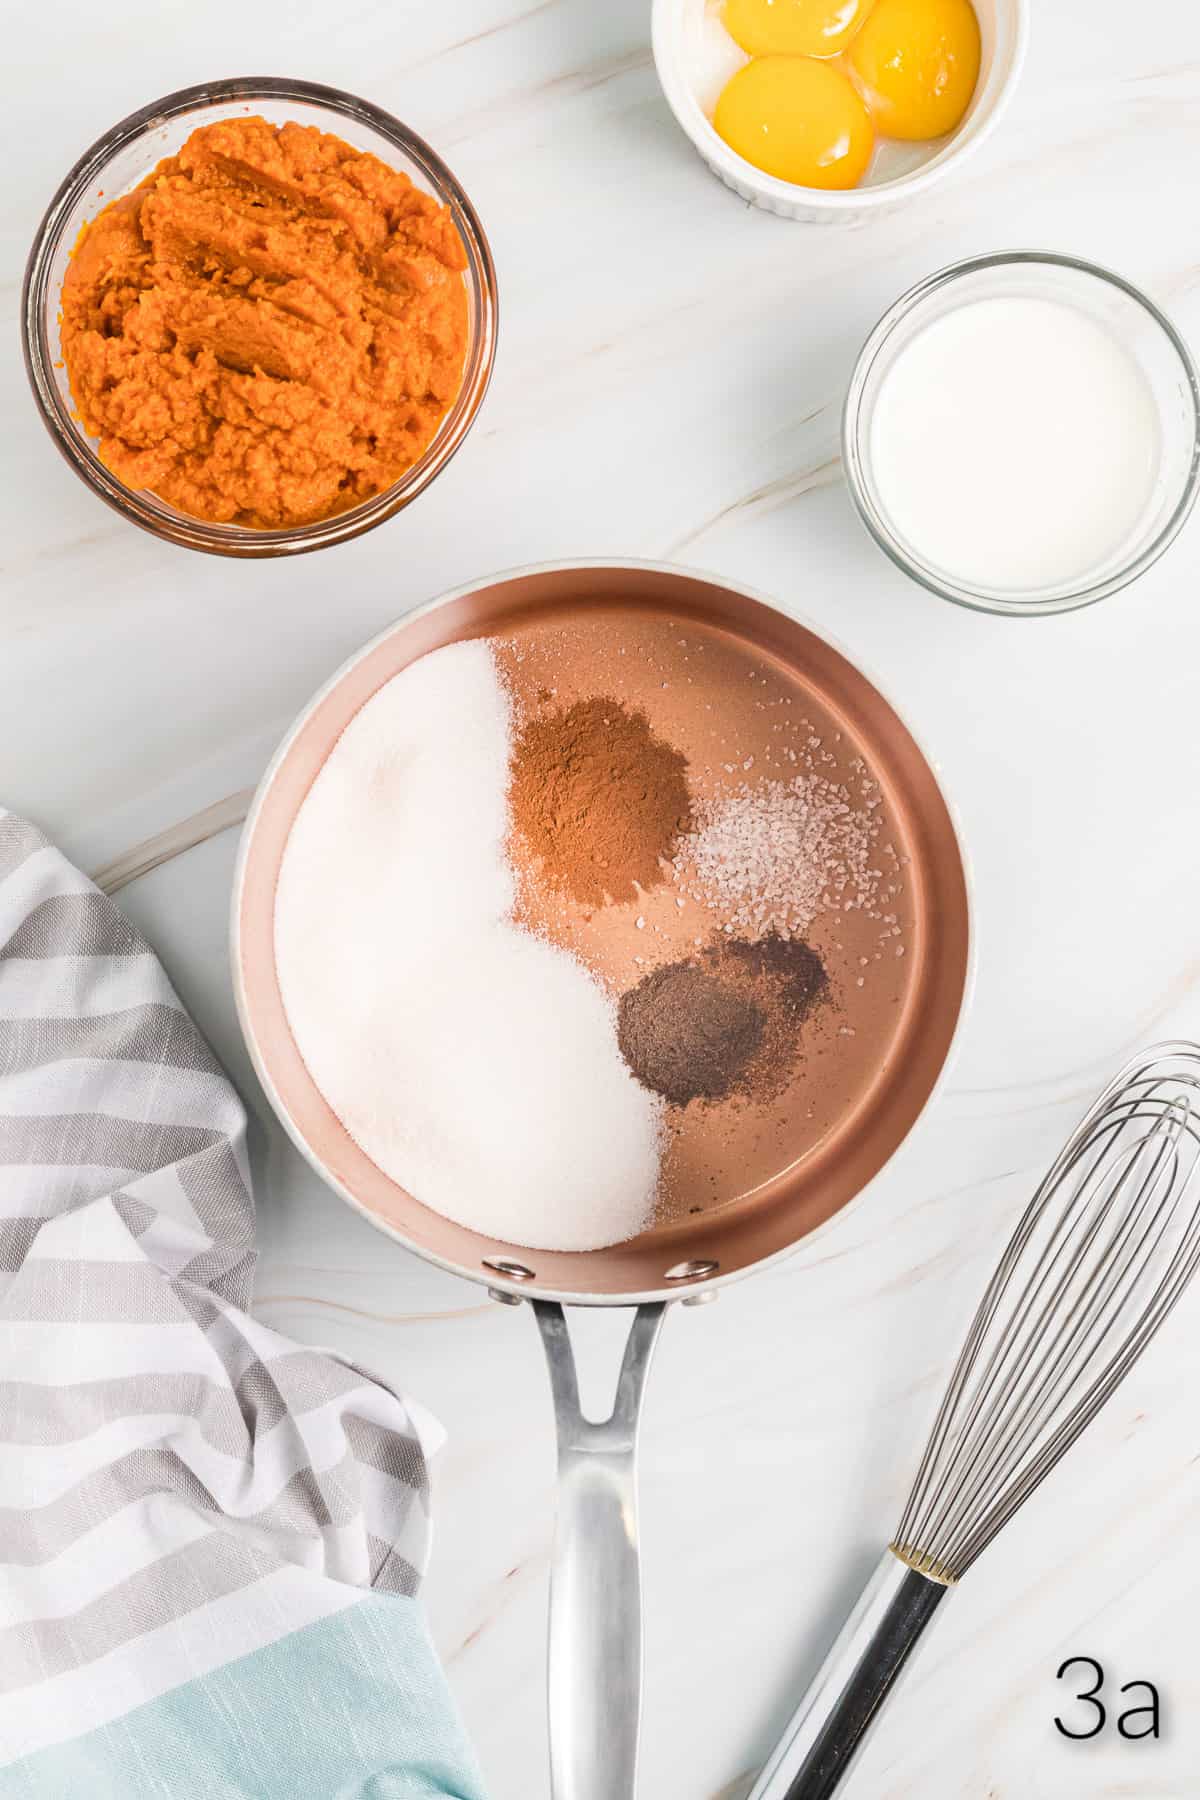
(595, 1647)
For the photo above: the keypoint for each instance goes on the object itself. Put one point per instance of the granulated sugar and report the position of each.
(772, 855)
(477, 1065)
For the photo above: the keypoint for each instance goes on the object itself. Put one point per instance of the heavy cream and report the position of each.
(1015, 446)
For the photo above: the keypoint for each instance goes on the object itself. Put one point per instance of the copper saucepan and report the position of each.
(595, 1603)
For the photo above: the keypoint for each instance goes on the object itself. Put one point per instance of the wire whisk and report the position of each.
(1100, 1256)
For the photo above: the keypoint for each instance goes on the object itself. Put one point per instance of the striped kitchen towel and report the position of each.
(210, 1538)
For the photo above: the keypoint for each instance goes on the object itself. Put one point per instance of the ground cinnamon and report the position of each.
(598, 799)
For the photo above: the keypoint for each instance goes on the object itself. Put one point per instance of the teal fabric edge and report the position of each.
(353, 1707)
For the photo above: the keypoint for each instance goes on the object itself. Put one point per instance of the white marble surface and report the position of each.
(670, 372)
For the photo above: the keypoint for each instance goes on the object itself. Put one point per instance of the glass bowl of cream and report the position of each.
(1021, 433)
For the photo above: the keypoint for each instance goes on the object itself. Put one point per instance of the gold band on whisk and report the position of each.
(924, 1564)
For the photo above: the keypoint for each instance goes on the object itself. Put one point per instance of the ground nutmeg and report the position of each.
(726, 1021)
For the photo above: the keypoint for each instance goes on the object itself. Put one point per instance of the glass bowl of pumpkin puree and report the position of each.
(259, 317)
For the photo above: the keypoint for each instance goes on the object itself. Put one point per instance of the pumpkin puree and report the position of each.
(269, 329)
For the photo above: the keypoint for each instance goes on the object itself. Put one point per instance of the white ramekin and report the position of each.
(1004, 25)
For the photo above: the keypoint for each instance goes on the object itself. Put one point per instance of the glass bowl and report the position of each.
(1144, 332)
(117, 163)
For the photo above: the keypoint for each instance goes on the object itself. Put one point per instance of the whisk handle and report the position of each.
(833, 1719)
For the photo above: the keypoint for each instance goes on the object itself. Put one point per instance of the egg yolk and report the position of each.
(916, 63)
(797, 119)
(793, 27)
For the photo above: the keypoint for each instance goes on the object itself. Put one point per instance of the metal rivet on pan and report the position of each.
(500, 1265)
(504, 1299)
(691, 1271)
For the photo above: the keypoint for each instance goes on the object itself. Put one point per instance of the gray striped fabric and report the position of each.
(163, 1456)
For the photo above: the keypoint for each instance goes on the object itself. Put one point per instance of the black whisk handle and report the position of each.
(835, 1716)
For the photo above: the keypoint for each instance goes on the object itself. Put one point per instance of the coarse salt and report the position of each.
(771, 856)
